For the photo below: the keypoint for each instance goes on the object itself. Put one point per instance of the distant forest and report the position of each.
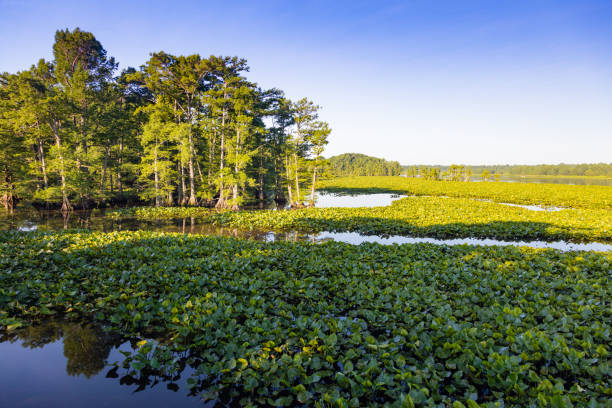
(595, 169)
(355, 164)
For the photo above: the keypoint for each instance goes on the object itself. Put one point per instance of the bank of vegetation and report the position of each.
(436, 217)
(334, 324)
(179, 130)
(559, 195)
(563, 170)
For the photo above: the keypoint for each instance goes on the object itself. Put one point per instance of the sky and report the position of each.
(420, 82)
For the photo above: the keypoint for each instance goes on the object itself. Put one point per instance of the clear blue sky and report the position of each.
(416, 81)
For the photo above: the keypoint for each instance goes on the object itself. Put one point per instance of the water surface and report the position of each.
(327, 200)
(68, 364)
(97, 221)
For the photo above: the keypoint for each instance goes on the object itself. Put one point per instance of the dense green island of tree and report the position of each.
(355, 164)
(180, 130)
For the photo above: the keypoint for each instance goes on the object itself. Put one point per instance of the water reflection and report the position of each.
(327, 200)
(61, 363)
(526, 206)
(96, 220)
(86, 347)
(356, 238)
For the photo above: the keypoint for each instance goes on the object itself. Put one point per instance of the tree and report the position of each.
(156, 168)
(305, 115)
(180, 130)
(317, 140)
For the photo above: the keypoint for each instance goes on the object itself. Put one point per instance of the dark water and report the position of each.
(68, 364)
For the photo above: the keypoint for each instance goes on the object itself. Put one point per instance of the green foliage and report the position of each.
(181, 130)
(593, 197)
(438, 217)
(333, 324)
(355, 164)
(585, 169)
(427, 173)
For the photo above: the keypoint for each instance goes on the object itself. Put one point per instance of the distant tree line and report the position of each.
(594, 169)
(180, 130)
(586, 169)
(355, 164)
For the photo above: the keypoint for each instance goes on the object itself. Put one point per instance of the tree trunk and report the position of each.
(261, 179)
(235, 205)
(192, 197)
(8, 198)
(278, 189)
(211, 157)
(179, 170)
(65, 203)
(291, 203)
(312, 189)
(200, 172)
(103, 181)
(297, 181)
(221, 203)
(43, 166)
(119, 163)
(183, 185)
(156, 175)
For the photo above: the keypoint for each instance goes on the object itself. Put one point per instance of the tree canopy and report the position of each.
(355, 164)
(179, 130)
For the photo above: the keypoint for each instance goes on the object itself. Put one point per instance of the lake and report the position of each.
(97, 221)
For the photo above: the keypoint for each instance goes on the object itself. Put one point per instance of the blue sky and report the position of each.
(473, 82)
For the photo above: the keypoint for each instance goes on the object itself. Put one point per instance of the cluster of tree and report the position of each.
(355, 164)
(181, 130)
(454, 172)
(486, 176)
(457, 172)
(595, 169)
(425, 172)
(585, 169)
(461, 172)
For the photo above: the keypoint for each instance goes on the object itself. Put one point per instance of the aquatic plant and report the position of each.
(437, 217)
(333, 324)
(559, 195)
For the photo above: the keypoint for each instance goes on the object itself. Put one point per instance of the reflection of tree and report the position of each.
(41, 334)
(86, 348)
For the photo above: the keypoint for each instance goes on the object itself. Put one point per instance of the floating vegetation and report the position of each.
(435, 217)
(548, 195)
(287, 324)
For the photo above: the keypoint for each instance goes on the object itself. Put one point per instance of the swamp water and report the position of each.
(67, 364)
(97, 221)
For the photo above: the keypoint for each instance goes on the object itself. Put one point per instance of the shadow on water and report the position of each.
(355, 230)
(61, 363)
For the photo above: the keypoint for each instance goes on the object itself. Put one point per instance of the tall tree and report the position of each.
(317, 139)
